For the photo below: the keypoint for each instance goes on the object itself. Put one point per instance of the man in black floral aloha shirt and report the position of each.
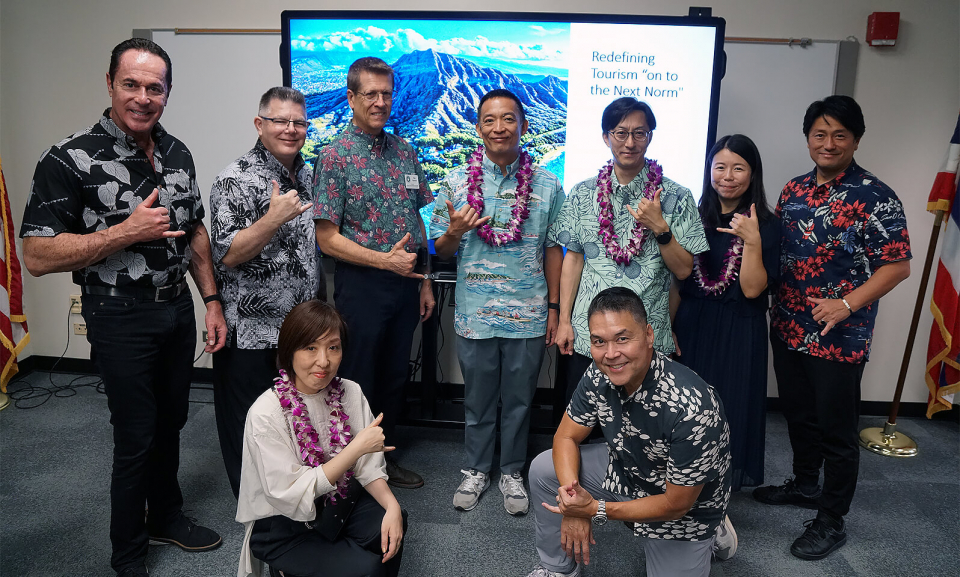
(665, 466)
(266, 260)
(844, 245)
(118, 205)
(368, 188)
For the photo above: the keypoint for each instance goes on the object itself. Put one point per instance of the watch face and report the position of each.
(599, 521)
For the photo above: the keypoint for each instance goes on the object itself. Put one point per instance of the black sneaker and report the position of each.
(139, 571)
(402, 478)
(822, 537)
(787, 494)
(186, 534)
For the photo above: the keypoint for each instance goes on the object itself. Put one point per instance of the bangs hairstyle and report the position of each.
(842, 108)
(304, 324)
(369, 64)
(710, 208)
(616, 300)
(140, 45)
(282, 94)
(620, 108)
(501, 93)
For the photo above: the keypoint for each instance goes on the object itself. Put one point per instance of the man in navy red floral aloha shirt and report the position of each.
(844, 245)
(368, 188)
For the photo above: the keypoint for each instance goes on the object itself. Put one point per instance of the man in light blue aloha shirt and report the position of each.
(503, 319)
(675, 235)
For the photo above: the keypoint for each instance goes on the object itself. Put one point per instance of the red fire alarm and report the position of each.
(882, 28)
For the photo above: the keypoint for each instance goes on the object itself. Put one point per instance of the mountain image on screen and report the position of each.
(435, 106)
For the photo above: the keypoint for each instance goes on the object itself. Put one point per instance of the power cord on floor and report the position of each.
(30, 395)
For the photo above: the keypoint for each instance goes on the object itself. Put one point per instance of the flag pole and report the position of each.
(886, 440)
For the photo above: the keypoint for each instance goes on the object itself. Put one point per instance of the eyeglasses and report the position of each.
(374, 95)
(283, 123)
(638, 135)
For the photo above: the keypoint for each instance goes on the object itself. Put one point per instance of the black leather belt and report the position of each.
(159, 294)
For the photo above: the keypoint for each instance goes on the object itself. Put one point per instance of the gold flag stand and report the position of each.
(886, 440)
(4, 401)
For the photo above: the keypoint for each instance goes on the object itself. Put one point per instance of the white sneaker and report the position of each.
(515, 499)
(725, 545)
(541, 571)
(468, 493)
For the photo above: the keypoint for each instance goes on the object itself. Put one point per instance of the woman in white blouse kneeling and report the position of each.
(313, 489)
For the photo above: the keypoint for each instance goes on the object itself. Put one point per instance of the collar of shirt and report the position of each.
(125, 139)
(849, 172)
(633, 190)
(494, 169)
(381, 141)
(275, 166)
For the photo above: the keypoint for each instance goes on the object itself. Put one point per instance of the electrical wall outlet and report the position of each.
(74, 304)
(79, 328)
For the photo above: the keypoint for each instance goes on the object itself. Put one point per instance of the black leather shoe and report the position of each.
(140, 571)
(822, 537)
(787, 494)
(402, 478)
(186, 534)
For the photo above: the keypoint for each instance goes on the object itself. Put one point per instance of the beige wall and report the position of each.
(53, 56)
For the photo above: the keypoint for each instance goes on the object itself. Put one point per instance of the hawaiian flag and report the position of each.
(943, 352)
(13, 323)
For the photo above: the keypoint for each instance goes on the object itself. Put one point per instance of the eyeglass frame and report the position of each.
(633, 133)
(297, 124)
(372, 96)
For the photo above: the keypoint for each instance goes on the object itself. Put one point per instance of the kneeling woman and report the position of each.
(313, 488)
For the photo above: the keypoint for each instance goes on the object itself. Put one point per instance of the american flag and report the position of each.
(943, 352)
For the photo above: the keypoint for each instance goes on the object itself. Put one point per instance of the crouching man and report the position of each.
(664, 468)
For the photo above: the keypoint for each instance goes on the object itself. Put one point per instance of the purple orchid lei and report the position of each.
(729, 273)
(310, 451)
(622, 255)
(520, 211)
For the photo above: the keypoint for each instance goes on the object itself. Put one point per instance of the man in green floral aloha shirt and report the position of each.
(651, 230)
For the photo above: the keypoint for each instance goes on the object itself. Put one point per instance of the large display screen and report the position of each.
(565, 68)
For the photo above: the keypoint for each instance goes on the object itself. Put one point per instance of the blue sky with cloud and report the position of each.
(533, 43)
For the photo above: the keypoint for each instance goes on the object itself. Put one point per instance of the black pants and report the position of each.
(821, 402)
(382, 310)
(291, 547)
(571, 369)
(239, 377)
(144, 352)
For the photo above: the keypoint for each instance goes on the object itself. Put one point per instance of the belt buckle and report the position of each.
(163, 291)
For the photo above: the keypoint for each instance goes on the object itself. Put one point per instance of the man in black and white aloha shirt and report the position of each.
(665, 466)
(266, 260)
(118, 205)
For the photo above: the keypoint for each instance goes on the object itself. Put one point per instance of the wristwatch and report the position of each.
(664, 237)
(600, 519)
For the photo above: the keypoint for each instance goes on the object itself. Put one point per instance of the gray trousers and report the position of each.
(665, 558)
(505, 370)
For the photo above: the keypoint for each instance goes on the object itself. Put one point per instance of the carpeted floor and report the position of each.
(54, 508)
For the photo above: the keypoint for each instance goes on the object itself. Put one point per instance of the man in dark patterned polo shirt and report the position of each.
(266, 260)
(368, 188)
(844, 245)
(119, 206)
(665, 466)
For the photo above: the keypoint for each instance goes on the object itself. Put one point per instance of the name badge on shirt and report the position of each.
(411, 181)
